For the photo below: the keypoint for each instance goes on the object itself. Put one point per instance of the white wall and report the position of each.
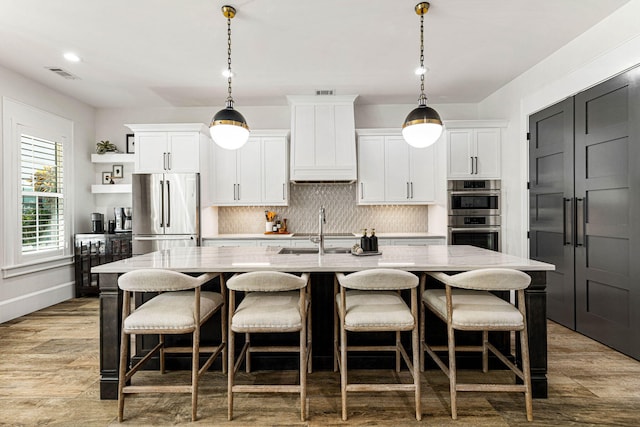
(608, 48)
(30, 292)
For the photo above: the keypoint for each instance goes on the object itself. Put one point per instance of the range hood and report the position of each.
(323, 139)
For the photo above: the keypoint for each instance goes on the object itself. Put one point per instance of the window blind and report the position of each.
(41, 177)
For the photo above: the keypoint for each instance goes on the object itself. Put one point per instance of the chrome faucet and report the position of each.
(322, 219)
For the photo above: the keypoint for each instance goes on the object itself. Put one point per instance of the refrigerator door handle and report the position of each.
(168, 203)
(162, 203)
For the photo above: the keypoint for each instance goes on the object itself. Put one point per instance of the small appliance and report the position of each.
(97, 223)
(123, 219)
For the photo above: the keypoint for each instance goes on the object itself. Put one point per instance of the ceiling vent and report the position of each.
(63, 73)
(324, 92)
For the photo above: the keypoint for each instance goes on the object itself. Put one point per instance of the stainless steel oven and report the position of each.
(474, 213)
(474, 197)
(481, 231)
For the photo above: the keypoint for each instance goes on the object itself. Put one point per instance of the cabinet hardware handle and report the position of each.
(567, 226)
(164, 161)
(238, 191)
(476, 164)
(361, 190)
(407, 190)
(283, 191)
(412, 189)
(471, 164)
(581, 219)
(169, 161)
(234, 192)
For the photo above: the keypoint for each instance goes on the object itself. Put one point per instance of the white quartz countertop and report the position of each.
(241, 259)
(249, 236)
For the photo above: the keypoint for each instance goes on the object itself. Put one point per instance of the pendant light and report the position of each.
(228, 127)
(423, 125)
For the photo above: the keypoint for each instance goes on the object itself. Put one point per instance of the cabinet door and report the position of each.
(150, 152)
(184, 149)
(249, 173)
(224, 176)
(396, 170)
(371, 166)
(460, 153)
(303, 148)
(275, 182)
(422, 187)
(487, 153)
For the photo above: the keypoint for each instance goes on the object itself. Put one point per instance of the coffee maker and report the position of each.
(97, 223)
(123, 219)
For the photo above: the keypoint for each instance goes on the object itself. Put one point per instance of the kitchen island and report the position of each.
(242, 259)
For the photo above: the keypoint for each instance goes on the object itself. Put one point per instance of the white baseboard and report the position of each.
(25, 304)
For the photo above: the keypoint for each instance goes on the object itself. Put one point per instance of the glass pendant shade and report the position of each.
(229, 129)
(422, 127)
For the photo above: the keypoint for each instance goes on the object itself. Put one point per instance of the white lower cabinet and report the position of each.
(328, 243)
(391, 171)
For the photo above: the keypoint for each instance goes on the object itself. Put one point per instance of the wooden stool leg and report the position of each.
(124, 353)
(415, 347)
(230, 374)
(398, 344)
(343, 369)
(303, 373)
(195, 365)
(452, 371)
(485, 351)
(247, 357)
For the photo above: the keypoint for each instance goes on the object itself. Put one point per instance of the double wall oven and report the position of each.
(475, 213)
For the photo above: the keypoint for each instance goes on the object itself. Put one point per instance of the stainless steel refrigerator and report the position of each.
(166, 211)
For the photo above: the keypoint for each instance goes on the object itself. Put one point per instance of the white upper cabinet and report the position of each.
(391, 171)
(253, 175)
(473, 152)
(172, 147)
(323, 146)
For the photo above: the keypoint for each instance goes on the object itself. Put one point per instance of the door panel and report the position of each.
(551, 205)
(182, 205)
(606, 162)
(148, 203)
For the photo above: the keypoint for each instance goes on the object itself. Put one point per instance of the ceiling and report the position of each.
(162, 53)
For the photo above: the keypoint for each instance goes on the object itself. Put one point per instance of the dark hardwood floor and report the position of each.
(49, 368)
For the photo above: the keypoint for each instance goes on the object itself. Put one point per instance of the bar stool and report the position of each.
(466, 304)
(179, 308)
(370, 301)
(273, 302)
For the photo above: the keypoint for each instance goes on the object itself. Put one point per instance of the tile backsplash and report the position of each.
(342, 213)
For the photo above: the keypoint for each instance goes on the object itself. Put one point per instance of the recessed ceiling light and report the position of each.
(225, 73)
(71, 57)
(421, 70)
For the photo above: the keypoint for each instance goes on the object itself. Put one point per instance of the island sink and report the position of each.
(299, 251)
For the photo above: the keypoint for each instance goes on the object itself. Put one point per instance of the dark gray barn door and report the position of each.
(607, 191)
(551, 205)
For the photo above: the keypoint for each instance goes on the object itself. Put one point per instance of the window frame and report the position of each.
(19, 119)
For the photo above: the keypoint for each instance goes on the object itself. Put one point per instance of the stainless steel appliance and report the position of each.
(167, 211)
(474, 213)
(467, 197)
(123, 220)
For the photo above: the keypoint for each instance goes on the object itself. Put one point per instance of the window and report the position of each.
(42, 178)
(37, 205)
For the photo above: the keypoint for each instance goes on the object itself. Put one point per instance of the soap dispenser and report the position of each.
(373, 241)
(365, 241)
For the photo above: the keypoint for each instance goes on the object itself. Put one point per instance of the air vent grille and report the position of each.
(324, 92)
(63, 73)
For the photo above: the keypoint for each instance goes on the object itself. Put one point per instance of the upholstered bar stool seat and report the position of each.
(179, 308)
(474, 309)
(370, 301)
(174, 311)
(467, 304)
(273, 302)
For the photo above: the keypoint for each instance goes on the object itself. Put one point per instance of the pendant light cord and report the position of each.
(423, 98)
(229, 97)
